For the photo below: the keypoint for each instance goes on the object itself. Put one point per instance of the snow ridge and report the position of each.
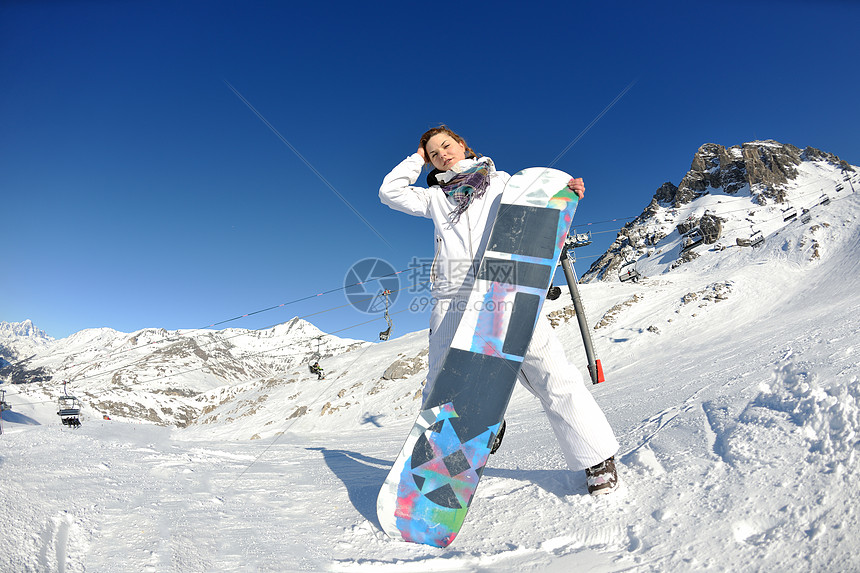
(166, 377)
(730, 196)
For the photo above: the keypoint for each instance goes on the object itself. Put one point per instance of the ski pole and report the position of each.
(595, 369)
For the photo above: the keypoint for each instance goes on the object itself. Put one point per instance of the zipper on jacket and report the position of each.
(471, 251)
(433, 264)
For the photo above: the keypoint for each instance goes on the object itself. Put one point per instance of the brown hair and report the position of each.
(442, 129)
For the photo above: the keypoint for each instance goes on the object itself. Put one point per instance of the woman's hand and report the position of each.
(577, 185)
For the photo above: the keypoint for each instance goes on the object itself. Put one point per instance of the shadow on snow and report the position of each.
(16, 418)
(363, 477)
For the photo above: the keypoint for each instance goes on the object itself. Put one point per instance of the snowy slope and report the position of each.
(732, 385)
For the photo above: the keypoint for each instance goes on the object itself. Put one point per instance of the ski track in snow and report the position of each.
(739, 426)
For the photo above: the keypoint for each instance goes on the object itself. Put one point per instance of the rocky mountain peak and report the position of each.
(25, 329)
(763, 172)
(763, 166)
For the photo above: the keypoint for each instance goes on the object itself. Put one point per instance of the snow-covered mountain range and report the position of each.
(732, 385)
(163, 377)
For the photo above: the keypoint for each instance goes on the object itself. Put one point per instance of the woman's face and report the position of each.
(444, 151)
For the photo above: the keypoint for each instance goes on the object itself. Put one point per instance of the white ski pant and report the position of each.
(579, 424)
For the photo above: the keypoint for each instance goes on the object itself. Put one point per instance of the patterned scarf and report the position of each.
(467, 186)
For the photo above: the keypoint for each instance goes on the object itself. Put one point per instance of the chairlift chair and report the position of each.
(575, 240)
(553, 293)
(789, 214)
(68, 409)
(756, 239)
(316, 353)
(3, 407)
(805, 216)
(692, 239)
(825, 200)
(315, 356)
(839, 187)
(68, 406)
(631, 274)
(385, 334)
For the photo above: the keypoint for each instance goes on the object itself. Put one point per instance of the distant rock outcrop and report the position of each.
(405, 367)
(759, 170)
(764, 166)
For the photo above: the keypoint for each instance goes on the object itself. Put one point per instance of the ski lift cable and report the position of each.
(192, 370)
(796, 198)
(77, 376)
(330, 291)
(306, 298)
(618, 229)
(730, 229)
(127, 366)
(746, 208)
(607, 231)
(316, 295)
(263, 310)
(617, 219)
(292, 343)
(52, 400)
(260, 353)
(776, 217)
(369, 297)
(301, 299)
(289, 423)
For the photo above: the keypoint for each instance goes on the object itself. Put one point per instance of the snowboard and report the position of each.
(428, 491)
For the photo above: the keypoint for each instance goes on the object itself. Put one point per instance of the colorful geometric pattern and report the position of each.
(433, 481)
(437, 484)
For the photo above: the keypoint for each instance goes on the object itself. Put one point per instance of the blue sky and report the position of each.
(138, 190)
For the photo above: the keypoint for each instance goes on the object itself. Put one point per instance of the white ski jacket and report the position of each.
(460, 245)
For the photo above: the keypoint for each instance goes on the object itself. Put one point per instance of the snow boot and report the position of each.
(602, 478)
(498, 440)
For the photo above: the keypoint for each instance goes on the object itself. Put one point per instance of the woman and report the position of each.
(462, 200)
